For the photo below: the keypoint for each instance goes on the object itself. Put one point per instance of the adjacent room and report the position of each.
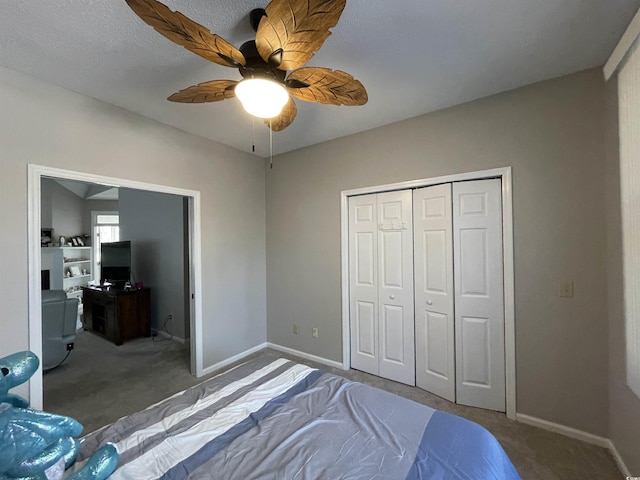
(431, 237)
(81, 224)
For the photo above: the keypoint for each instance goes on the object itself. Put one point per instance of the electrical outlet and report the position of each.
(296, 329)
(314, 333)
(566, 289)
(170, 317)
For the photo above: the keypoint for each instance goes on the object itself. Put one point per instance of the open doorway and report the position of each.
(189, 278)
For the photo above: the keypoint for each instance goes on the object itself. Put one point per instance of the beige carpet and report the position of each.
(100, 383)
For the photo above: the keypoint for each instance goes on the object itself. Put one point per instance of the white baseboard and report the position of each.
(235, 358)
(564, 430)
(577, 434)
(308, 356)
(257, 348)
(618, 458)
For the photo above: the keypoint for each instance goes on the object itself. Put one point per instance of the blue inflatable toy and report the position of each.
(37, 445)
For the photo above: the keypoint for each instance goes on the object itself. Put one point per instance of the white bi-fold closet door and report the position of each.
(455, 262)
(459, 293)
(381, 285)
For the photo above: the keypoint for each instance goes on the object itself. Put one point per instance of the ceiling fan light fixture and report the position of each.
(261, 97)
(288, 33)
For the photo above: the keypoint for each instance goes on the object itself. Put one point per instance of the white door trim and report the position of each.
(507, 238)
(35, 174)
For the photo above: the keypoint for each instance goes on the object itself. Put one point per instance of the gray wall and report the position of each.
(153, 222)
(62, 210)
(46, 208)
(66, 212)
(624, 405)
(552, 135)
(47, 125)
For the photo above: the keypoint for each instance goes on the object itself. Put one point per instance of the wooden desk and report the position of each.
(117, 315)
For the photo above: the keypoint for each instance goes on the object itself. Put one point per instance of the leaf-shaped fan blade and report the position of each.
(285, 118)
(323, 85)
(184, 31)
(292, 30)
(213, 91)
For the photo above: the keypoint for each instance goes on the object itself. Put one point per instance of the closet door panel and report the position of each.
(434, 298)
(395, 259)
(476, 351)
(437, 340)
(365, 321)
(473, 263)
(391, 266)
(363, 282)
(479, 294)
(393, 334)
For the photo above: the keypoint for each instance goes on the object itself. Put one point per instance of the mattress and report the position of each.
(271, 418)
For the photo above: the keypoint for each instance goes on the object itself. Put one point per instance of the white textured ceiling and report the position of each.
(413, 56)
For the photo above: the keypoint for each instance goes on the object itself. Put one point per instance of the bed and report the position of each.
(271, 418)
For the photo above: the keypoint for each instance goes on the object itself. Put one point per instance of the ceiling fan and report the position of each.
(288, 32)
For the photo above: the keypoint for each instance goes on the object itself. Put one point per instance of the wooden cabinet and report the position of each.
(118, 315)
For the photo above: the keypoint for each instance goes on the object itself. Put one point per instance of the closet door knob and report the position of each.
(429, 302)
(392, 297)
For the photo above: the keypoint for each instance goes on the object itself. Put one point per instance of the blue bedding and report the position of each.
(272, 418)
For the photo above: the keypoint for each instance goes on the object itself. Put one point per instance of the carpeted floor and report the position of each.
(100, 383)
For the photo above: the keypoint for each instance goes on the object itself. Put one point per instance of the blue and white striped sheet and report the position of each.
(277, 419)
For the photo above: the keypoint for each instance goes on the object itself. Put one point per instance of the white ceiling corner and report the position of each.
(413, 56)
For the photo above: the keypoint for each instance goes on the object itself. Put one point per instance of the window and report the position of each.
(629, 117)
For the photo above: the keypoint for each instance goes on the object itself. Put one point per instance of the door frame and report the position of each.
(504, 173)
(34, 199)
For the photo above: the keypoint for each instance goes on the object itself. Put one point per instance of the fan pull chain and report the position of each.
(253, 134)
(270, 145)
